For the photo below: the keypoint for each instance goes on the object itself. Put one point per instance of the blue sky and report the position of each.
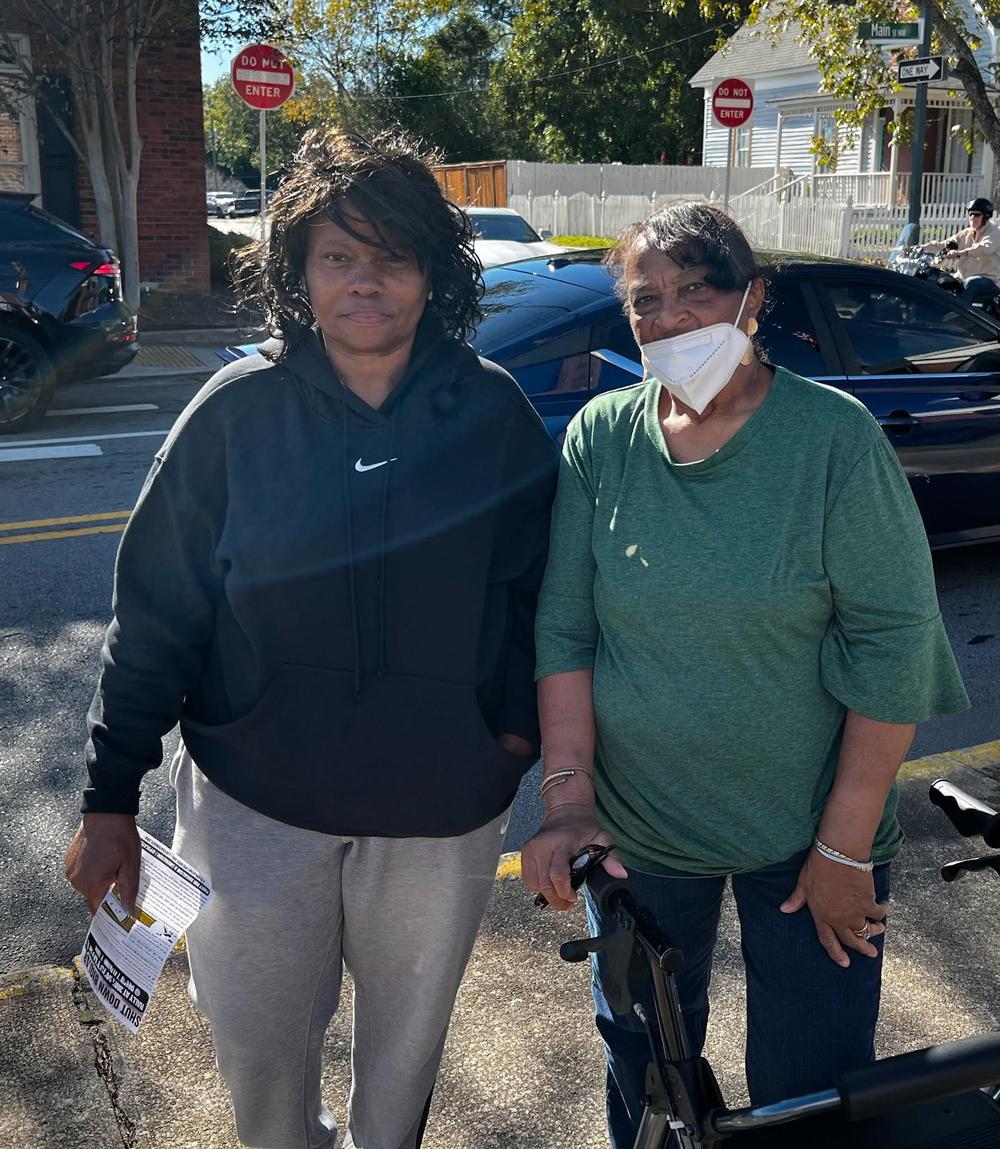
(215, 63)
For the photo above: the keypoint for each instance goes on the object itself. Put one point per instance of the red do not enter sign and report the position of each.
(732, 103)
(262, 76)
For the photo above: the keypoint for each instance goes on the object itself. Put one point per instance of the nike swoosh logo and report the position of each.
(362, 467)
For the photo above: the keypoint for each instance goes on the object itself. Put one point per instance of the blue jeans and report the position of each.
(978, 288)
(807, 1018)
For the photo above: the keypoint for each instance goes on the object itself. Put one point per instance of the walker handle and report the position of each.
(607, 891)
(923, 1075)
(968, 815)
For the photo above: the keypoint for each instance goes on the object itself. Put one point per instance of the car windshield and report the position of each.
(516, 305)
(509, 227)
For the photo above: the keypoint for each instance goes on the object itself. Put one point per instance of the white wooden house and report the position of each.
(790, 110)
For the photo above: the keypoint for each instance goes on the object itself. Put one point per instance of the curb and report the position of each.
(22, 982)
(985, 755)
(210, 336)
(980, 757)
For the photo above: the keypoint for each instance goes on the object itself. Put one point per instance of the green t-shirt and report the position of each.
(732, 610)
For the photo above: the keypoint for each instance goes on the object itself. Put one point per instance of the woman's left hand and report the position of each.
(841, 900)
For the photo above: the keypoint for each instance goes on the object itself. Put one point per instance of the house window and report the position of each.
(18, 157)
(826, 142)
(742, 147)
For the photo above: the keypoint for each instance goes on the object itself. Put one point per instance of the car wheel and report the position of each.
(27, 381)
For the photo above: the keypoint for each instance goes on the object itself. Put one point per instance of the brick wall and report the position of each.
(173, 229)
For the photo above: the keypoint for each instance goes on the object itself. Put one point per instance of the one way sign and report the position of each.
(919, 71)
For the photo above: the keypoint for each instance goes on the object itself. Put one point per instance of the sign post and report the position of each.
(732, 107)
(263, 78)
(920, 124)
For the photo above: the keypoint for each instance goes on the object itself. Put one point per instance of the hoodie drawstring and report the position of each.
(352, 574)
(381, 543)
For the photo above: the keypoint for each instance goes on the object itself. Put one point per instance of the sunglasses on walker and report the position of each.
(580, 867)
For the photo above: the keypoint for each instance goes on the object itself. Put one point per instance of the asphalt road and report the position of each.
(56, 604)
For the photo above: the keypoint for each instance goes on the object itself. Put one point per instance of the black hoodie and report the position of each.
(336, 602)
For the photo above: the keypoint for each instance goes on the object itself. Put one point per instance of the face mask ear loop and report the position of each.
(743, 303)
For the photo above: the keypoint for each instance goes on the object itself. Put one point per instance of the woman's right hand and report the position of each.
(545, 858)
(105, 852)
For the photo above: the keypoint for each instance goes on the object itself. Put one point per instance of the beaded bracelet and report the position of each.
(833, 855)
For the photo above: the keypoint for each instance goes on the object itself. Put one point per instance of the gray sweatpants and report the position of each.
(290, 908)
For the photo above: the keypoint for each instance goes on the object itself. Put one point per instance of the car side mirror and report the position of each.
(545, 233)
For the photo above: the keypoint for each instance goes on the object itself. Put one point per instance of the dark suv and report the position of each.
(61, 310)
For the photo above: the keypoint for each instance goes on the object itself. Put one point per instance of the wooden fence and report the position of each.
(484, 185)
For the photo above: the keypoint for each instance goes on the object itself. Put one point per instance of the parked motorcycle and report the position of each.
(936, 268)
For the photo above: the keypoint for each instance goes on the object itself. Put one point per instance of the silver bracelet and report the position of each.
(558, 777)
(833, 855)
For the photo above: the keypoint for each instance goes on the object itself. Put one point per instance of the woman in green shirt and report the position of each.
(737, 634)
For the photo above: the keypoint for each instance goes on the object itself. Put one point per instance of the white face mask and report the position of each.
(697, 365)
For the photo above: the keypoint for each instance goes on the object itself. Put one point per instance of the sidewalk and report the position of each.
(165, 354)
(522, 1069)
(523, 1066)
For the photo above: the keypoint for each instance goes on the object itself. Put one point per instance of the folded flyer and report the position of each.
(124, 953)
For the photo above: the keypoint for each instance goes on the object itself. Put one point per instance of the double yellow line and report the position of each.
(28, 532)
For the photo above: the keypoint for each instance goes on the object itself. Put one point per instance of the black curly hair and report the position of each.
(386, 180)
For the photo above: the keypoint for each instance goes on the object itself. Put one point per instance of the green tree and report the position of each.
(442, 93)
(352, 46)
(99, 45)
(232, 130)
(569, 96)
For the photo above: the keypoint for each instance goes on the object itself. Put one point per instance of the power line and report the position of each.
(554, 75)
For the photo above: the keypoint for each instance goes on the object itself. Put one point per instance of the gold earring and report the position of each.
(751, 332)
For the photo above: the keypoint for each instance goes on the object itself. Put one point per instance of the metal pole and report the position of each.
(263, 174)
(919, 129)
(215, 156)
(729, 166)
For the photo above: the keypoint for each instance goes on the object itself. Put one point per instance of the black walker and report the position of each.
(943, 1097)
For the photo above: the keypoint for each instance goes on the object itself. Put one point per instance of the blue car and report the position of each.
(924, 364)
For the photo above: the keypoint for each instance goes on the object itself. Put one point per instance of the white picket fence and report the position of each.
(824, 227)
(584, 213)
(858, 215)
(602, 199)
(871, 189)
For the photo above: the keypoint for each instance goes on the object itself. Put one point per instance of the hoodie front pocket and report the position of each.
(407, 756)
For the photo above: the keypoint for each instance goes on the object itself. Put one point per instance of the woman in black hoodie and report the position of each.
(329, 580)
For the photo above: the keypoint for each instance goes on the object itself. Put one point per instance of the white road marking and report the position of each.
(89, 438)
(102, 410)
(18, 454)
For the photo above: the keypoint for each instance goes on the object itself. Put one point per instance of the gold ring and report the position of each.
(863, 933)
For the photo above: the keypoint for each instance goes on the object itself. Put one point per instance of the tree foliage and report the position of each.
(99, 45)
(864, 75)
(232, 130)
(606, 80)
(443, 94)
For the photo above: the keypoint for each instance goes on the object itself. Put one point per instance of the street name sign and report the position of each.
(920, 71)
(262, 77)
(891, 32)
(732, 103)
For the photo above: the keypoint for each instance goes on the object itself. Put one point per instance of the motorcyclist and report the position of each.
(976, 251)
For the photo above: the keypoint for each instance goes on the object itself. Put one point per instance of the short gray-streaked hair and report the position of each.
(691, 234)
